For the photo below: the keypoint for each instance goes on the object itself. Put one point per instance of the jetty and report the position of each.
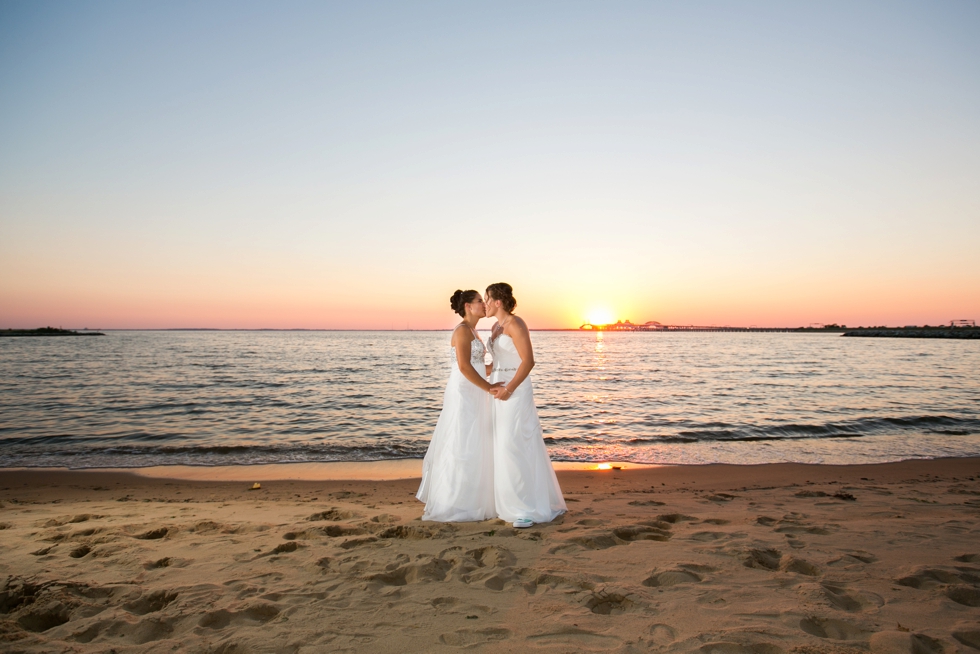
(46, 331)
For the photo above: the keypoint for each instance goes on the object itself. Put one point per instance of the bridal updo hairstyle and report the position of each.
(504, 293)
(460, 299)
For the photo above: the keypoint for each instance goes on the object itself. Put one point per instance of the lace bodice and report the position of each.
(477, 353)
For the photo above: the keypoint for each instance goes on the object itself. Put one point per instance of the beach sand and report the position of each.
(726, 559)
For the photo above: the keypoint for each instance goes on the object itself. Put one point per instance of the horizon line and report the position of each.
(439, 329)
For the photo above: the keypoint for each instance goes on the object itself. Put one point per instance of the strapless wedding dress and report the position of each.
(525, 485)
(457, 472)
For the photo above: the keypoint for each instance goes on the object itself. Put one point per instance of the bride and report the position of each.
(525, 486)
(457, 472)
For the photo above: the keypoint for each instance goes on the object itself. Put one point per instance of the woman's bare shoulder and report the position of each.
(461, 336)
(516, 324)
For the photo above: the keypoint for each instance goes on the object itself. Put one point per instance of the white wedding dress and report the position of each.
(525, 485)
(457, 472)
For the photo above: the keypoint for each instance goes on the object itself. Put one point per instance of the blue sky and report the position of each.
(350, 165)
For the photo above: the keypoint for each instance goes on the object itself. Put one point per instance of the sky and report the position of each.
(349, 165)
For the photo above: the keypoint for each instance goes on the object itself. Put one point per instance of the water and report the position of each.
(222, 398)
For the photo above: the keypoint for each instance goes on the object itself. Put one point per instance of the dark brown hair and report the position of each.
(503, 292)
(460, 299)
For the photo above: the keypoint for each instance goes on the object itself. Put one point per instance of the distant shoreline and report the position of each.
(45, 332)
(967, 333)
(960, 333)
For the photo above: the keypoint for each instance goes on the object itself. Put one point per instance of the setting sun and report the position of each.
(600, 317)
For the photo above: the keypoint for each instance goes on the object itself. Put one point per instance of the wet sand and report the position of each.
(726, 559)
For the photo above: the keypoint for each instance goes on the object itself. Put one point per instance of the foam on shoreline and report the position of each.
(328, 471)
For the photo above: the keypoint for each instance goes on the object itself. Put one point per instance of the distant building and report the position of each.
(962, 323)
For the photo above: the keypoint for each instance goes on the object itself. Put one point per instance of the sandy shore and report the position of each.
(726, 559)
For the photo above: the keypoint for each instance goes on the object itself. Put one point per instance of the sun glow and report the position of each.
(601, 317)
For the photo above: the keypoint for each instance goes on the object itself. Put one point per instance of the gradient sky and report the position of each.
(335, 165)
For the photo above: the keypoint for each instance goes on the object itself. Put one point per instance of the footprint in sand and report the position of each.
(793, 524)
(283, 548)
(600, 540)
(851, 601)
(42, 618)
(151, 602)
(572, 639)
(253, 614)
(334, 515)
(547, 580)
(853, 557)
(708, 536)
(82, 517)
(493, 556)
(833, 629)
(887, 642)
(80, 551)
(609, 602)
(468, 637)
(923, 578)
(362, 542)
(407, 532)
(430, 569)
(965, 595)
(723, 647)
(772, 559)
(330, 531)
(764, 559)
(154, 534)
(343, 495)
(668, 578)
(798, 566)
(649, 531)
(145, 631)
(968, 637)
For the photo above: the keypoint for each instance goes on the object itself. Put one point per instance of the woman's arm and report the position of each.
(462, 341)
(518, 332)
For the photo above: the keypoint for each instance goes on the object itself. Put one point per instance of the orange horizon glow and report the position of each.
(79, 312)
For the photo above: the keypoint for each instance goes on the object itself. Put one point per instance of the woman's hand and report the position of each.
(501, 392)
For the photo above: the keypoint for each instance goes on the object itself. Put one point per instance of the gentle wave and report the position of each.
(227, 398)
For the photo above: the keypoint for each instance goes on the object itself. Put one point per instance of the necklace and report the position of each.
(501, 325)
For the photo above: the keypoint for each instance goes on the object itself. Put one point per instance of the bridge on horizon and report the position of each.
(653, 326)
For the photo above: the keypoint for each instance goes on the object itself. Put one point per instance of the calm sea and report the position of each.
(221, 398)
